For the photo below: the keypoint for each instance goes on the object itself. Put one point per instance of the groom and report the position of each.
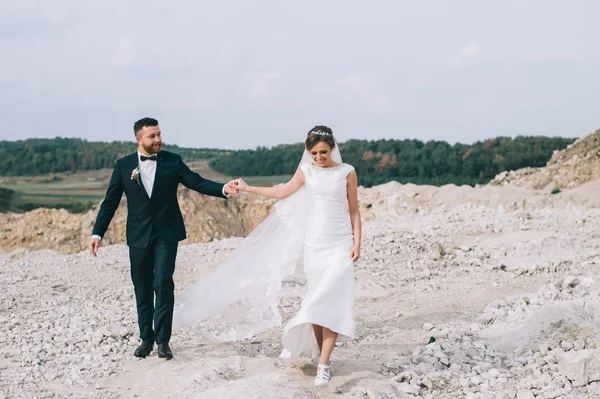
(149, 178)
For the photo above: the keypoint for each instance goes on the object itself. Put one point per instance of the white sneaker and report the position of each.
(316, 360)
(323, 375)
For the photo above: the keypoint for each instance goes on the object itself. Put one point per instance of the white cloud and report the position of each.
(29, 19)
(178, 59)
(470, 55)
(393, 5)
(262, 85)
(18, 8)
(356, 90)
(56, 11)
(125, 53)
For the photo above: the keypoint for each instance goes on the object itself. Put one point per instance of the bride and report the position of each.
(241, 298)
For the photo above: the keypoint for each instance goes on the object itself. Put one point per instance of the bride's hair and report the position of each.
(320, 133)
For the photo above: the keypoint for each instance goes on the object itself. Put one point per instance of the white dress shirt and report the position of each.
(148, 174)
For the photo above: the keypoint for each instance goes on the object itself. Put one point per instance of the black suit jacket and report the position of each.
(161, 209)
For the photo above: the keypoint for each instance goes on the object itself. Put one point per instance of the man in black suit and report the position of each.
(149, 178)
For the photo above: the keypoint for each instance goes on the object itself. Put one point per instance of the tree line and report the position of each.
(376, 161)
(406, 161)
(42, 156)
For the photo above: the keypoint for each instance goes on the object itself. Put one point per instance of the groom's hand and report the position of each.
(94, 244)
(240, 184)
(230, 189)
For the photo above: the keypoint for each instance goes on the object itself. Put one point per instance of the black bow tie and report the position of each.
(150, 158)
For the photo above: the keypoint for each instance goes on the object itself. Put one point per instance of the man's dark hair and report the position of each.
(142, 123)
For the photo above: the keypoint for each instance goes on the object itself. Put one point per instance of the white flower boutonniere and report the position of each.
(135, 174)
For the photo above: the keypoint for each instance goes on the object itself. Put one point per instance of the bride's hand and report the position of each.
(240, 184)
(355, 253)
(230, 189)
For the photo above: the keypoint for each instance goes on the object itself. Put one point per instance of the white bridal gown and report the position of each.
(241, 298)
(328, 267)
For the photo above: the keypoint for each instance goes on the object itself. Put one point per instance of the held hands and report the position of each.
(355, 253)
(231, 189)
(93, 246)
(239, 184)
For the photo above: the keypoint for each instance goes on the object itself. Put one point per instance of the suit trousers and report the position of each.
(152, 271)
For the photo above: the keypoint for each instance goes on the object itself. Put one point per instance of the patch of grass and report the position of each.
(75, 192)
(6, 199)
(51, 179)
(75, 203)
(62, 186)
(267, 180)
(54, 197)
(73, 206)
(79, 191)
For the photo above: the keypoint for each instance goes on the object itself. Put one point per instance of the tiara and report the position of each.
(321, 133)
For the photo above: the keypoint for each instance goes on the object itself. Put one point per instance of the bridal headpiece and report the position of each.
(321, 133)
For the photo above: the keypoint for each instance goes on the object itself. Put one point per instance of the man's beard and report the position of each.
(150, 149)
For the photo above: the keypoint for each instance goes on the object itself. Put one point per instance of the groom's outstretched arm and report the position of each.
(110, 204)
(194, 181)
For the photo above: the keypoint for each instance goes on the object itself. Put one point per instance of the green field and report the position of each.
(266, 180)
(33, 186)
(80, 191)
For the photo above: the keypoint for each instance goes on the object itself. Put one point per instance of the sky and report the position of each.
(241, 74)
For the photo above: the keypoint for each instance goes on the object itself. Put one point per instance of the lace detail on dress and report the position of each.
(310, 165)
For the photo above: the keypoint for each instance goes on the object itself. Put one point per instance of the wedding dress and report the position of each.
(328, 267)
(241, 298)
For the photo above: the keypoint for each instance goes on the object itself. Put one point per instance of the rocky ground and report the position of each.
(487, 292)
(461, 293)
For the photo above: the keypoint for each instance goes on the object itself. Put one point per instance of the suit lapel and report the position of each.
(136, 163)
(159, 166)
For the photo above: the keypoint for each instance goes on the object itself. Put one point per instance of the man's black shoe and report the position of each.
(144, 349)
(164, 351)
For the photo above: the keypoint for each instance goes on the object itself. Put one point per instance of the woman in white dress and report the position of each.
(331, 245)
(317, 215)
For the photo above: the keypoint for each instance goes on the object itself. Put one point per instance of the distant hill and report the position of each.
(42, 156)
(407, 161)
(571, 167)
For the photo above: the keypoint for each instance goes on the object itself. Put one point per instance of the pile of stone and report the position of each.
(543, 345)
(575, 165)
(206, 219)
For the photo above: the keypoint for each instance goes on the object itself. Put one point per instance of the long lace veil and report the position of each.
(241, 298)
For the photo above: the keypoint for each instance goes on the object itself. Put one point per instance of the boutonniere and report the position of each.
(135, 174)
